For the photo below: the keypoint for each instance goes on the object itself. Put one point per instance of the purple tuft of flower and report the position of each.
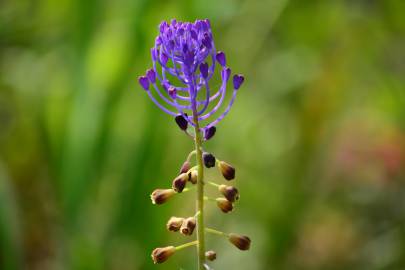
(184, 60)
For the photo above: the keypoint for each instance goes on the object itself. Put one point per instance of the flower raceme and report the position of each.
(184, 60)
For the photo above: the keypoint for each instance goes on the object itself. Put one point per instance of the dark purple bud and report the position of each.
(204, 70)
(230, 193)
(189, 58)
(163, 58)
(185, 167)
(181, 122)
(144, 82)
(172, 92)
(209, 132)
(221, 58)
(185, 48)
(150, 73)
(225, 74)
(206, 41)
(194, 35)
(209, 160)
(179, 183)
(171, 44)
(238, 79)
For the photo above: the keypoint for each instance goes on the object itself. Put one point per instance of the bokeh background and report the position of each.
(317, 135)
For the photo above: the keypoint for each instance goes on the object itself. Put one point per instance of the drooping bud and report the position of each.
(240, 241)
(209, 160)
(172, 92)
(225, 205)
(185, 167)
(221, 58)
(237, 81)
(179, 183)
(160, 255)
(209, 132)
(193, 177)
(227, 170)
(181, 122)
(204, 70)
(174, 224)
(230, 193)
(144, 82)
(160, 196)
(210, 255)
(188, 226)
(150, 73)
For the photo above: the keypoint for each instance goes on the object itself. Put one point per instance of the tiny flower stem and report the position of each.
(209, 230)
(197, 214)
(213, 184)
(191, 154)
(206, 198)
(187, 245)
(188, 189)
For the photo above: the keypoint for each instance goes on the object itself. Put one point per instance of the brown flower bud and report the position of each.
(240, 241)
(227, 170)
(193, 175)
(160, 196)
(230, 193)
(160, 255)
(185, 167)
(188, 226)
(210, 255)
(174, 224)
(225, 205)
(180, 182)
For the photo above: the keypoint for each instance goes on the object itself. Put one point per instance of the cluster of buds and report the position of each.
(185, 53)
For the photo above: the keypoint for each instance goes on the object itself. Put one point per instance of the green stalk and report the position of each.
(200, 194)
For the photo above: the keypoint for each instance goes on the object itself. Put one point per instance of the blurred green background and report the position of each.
(317, 135)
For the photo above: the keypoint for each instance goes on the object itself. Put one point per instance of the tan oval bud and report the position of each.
(225, 205)
(193, 175)
(242, 242)
(185, 167)
(230, 193)
(179, 183)
(174, 224)
(227, 170)
(160, 255)
(210, 255)
(160, 196)
(188, 226)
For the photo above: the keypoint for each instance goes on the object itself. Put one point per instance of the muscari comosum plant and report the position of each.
(184, 61)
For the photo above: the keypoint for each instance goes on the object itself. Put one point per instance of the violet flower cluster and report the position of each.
(180, 84)
(186, 52)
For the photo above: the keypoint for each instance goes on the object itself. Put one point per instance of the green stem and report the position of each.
(213, 184)
(200, 193)
(216, 232)
(187, 245)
